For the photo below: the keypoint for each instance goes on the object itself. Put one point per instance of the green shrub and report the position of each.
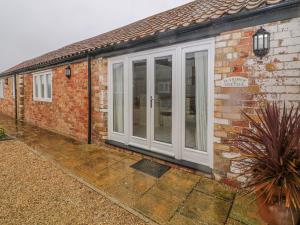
(2, 133)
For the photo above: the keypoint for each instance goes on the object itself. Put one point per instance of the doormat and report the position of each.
(151, 168)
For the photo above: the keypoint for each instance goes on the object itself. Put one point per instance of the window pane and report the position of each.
(49, 85)
(163, 99)
(36, 83)
(139, 98)
(118, 98)
(196, 100)
(42, 77)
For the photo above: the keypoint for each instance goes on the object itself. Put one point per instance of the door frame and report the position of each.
(133, 140)
(189, 154)
(121, 137)
(157, 146)
(178, 141)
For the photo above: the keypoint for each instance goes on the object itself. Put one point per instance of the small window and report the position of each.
(1, 88)
(42, 86)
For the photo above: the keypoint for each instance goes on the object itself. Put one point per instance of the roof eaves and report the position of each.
(168, 32)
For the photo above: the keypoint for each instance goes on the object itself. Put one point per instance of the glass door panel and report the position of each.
(118, 98)
(196, 100)
(139, 98)
(162, 100)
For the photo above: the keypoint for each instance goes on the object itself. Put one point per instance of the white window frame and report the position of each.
(206, 158)
(2, 88)
(188, 153)
(39, 98)
(122, 137)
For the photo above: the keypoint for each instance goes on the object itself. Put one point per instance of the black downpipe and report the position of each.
(16, 97)
(89, 100)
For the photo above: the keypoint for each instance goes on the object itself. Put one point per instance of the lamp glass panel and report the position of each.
(260, 41)
(255, 42)
(266, 39)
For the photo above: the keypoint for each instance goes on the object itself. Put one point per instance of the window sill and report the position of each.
(42, 100)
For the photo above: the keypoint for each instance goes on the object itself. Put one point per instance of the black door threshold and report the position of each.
(195, 166)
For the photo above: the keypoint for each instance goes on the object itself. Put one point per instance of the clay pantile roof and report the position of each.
(198, 11)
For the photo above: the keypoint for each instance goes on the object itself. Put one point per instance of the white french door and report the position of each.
(162, 83)
(161, 100)
(150, 102)
(139, 94)
(197, 103)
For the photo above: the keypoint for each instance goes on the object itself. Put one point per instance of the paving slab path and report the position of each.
(177, 197)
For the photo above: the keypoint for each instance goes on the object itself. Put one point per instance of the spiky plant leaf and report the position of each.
(270, 151)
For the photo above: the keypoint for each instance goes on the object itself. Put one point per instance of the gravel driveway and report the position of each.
(35, 191)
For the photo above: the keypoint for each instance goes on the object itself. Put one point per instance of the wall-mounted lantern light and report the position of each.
(6, 81)
(261, 42)
(68, 72)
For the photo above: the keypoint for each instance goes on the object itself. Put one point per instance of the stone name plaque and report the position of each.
(235, 82)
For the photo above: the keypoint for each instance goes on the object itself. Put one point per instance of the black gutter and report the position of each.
(281, 11)
(16, 97)
(89, 100)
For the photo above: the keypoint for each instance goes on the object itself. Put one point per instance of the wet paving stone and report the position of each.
(213, 188)
(110, 176)
(205, 208)
(93, 167)
(156, 206)
(179, 179)
(175, 186)
(182, 220)
(124, 165)
(137, 182)
(68, 163)
(123, 194)
(233, 222)
(245, 210)
(129, 189)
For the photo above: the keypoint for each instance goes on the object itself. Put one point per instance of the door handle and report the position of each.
(151, 101)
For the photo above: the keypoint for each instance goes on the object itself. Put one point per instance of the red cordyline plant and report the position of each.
(270, 152)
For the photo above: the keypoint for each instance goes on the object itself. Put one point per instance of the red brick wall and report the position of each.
(7, 103)
(68, 111)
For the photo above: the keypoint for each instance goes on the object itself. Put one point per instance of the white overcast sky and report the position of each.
(29, 28)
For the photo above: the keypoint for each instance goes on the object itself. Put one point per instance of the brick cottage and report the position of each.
(171, 86)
